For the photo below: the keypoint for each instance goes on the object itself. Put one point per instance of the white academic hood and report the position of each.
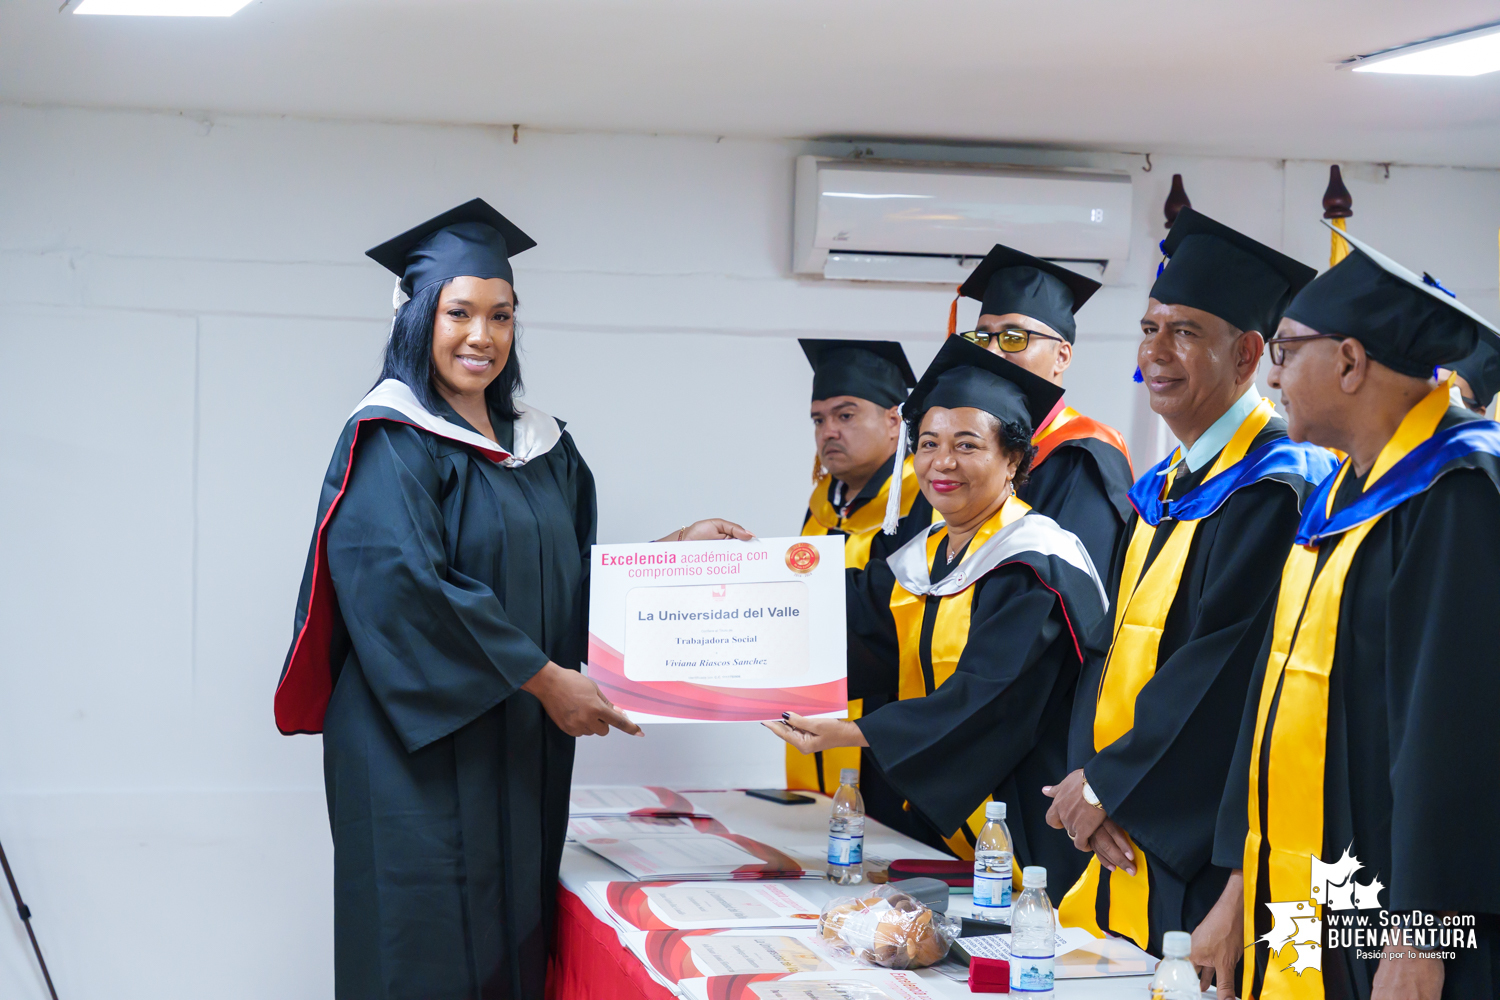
(895, 221)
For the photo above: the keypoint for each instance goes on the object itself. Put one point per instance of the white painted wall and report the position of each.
(186, 319)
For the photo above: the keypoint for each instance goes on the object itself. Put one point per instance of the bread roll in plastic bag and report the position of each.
(888, 929)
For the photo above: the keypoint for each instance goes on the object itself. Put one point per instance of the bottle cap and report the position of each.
(1033, 877)
(849, 776)
(994, 810)
(1176, 944)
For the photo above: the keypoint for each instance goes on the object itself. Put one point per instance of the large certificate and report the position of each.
(720, 631)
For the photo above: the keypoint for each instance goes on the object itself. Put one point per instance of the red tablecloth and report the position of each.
(590, 963)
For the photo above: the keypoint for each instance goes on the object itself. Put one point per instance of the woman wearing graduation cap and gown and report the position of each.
(978, 623)
(1081, 475)
(438, 634)
(1367, 775)
(857, 392)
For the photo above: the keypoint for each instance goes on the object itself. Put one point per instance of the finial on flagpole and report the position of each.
(1177, 200)
(1338, 205)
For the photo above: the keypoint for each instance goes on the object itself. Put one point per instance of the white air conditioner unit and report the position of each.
(872, 221)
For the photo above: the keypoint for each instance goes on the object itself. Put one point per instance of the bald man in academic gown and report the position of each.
(858, 388)
(1191, 589)
(1080, 476)
(1370, 727)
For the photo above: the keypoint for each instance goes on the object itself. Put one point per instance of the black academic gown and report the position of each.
(457, 579)
(1163, 781)
(1412, 765)
(997, 727)
(1084, 485)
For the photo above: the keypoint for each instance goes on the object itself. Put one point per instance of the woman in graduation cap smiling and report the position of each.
(438, 636)
(979, 622)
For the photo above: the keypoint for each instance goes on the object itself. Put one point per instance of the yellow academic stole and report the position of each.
(819, 772)
(1303, 641)
(1140, 617)
(1067, 414)
(860, 526)
(950, 634)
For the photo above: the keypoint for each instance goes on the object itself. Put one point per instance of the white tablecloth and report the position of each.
(807, 826)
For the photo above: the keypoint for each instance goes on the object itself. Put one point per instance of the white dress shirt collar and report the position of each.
(1213, 440)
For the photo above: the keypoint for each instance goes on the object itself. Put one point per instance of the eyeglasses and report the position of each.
(1012, 340)
(1276, 346)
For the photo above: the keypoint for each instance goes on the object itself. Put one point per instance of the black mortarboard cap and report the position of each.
(876, 370)
(1482, 368)
(1406, 321)
(1009, 281)
(471, 240)
(1214, 268)
(964, 374)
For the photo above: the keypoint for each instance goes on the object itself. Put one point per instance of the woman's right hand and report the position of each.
(575, 704)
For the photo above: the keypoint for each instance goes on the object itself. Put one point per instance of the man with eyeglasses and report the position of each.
(1081, 474)
(1192, 586)
(1369, 734)
(857, 391)
(1477, 377)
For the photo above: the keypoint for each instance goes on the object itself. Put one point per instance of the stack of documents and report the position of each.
(864, 984)
(691, 856)
(1080, 955)
(684, 906)
(589, 827)
(630, 800)
(656, 833)
(672, 956)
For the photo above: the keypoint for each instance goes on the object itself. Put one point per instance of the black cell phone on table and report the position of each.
(780, 796)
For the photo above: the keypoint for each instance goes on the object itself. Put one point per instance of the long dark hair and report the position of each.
(408, 355)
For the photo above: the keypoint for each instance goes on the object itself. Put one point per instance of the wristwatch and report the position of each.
(1090, 797)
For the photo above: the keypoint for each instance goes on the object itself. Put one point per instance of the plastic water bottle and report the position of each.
(992, 865)
(846, 832)
(1033, 937)
(1175, 978)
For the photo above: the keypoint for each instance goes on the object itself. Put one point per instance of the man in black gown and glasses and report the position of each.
(1081, 474)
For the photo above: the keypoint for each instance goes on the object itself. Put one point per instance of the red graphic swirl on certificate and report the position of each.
(686, 700)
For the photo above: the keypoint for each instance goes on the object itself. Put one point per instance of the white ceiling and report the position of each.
(1220, 77)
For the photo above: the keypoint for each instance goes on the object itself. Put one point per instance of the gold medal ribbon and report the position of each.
(1303, 641)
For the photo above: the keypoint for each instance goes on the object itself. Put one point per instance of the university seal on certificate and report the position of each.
(802, 558)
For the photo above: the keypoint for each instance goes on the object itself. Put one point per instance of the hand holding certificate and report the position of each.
(720, 631)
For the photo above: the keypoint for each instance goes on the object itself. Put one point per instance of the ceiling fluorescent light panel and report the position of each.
(1467, 53)
(162, 8)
